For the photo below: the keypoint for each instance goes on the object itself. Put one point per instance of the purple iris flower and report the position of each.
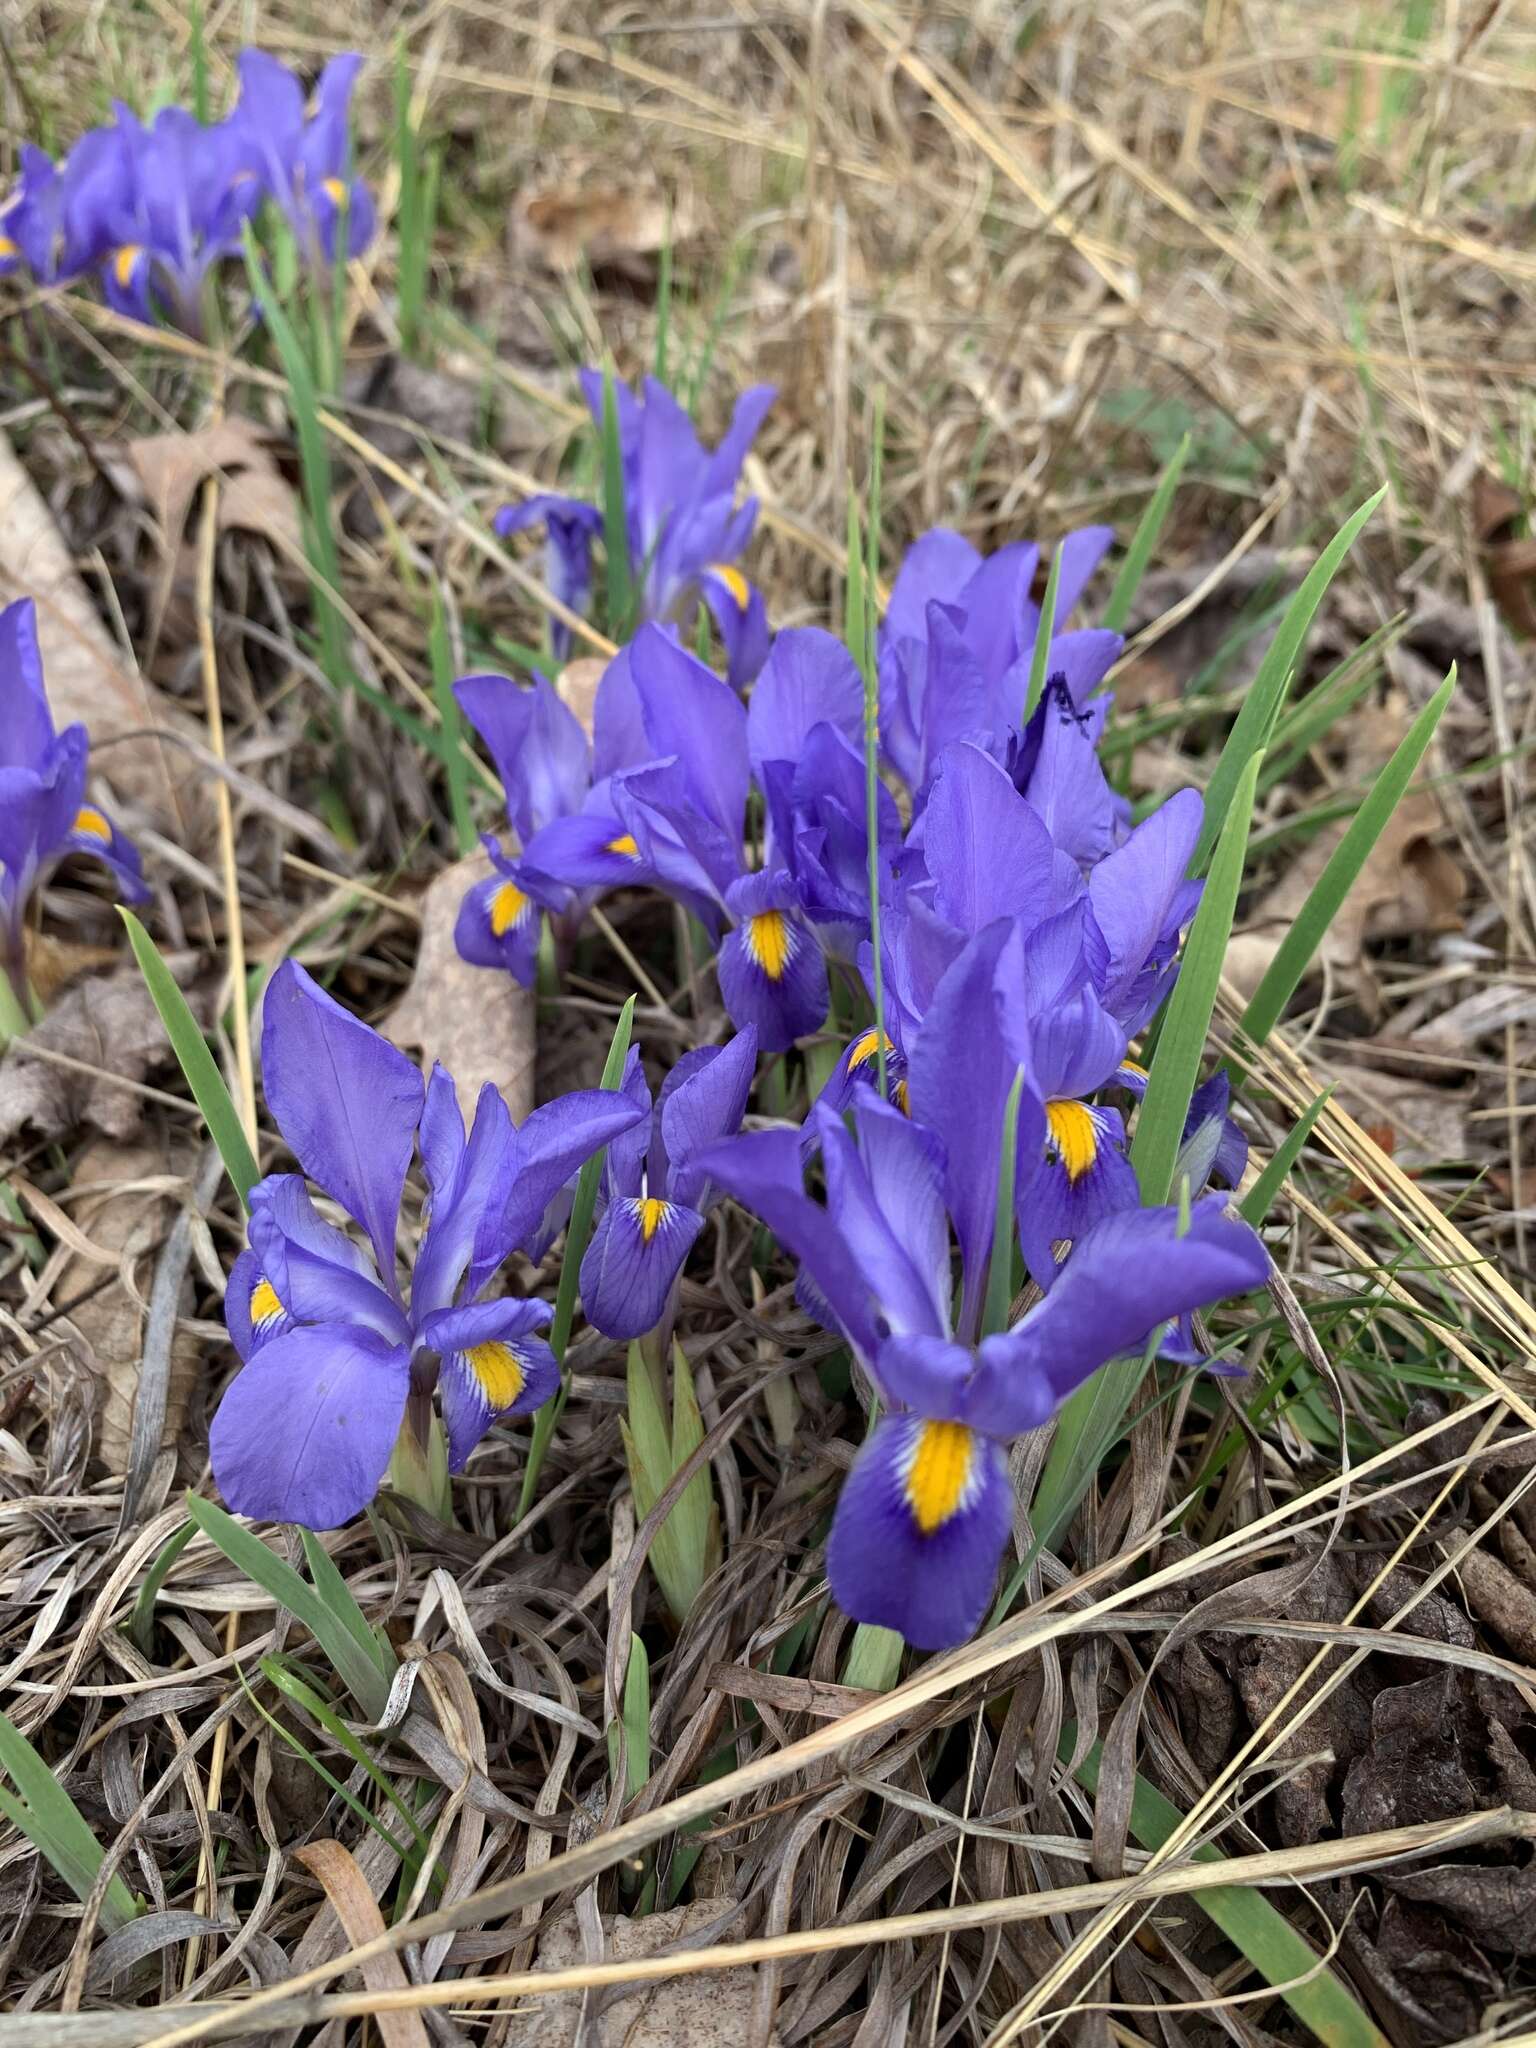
(337, 1352)
(161, 203)
(927, 1509)
(303, 162)
(655, 1196)
(685, 529)
(32, 225)
(44, 811)
(545, 764)
(957, 646)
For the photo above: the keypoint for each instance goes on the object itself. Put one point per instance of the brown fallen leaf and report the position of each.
(576, 687)
(1496, 1904)
(602, 222)
(124, 1218)
(109, 1025)
(712, 2011)
(477, 1021)
(1408, 885)
(1509, 557)
(1415, 1122)
(254, 496)
(1413, 1770)
(88, 679)
(1497, 1597)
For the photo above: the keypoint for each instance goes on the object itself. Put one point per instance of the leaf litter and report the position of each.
(956, 1792)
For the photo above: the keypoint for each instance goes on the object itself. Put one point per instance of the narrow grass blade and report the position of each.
(1149, 531)
(578, 1230)
(1319, 1998)
(1259, 1200)
(295, 1688)
(636, 1721)
(451, 738)
(141, 1622)
(999, 1299)
(1181, 1042)
(1040, 659)
(615, 518)
(1306, 934)
(336, 1597)
(365, 1670)
(874, 1658)
(51, 1821)
(863, 626)
(196, 1061)
(413, 219)
(1267, 691)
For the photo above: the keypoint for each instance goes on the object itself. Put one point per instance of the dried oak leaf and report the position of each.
(1424, 1973)
(611, 226)
(1508, 556)
(476, 1020)
(254, 497)
(712, 2011)
(130, 1219)
(1497, 1597)
(109, 1023)
(88, 679)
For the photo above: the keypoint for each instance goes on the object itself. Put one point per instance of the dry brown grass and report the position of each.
(1054, 236)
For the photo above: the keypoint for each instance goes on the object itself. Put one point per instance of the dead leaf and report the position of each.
(576, 687)
(109, 1024)
(255, 497)
(1497, 1597)
(1495, 1904)
(1413, 1769)
(1415, 1122)
(1408, 885)
(88, 679)
(713, 2011)
(358, 1911)
(607, 224)
(122, 1218)
(1509, 557)
(477, 1021)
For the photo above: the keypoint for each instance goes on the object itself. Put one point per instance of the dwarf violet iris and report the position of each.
(661, 797)
(654, 1194)
(155, 206)
(926, 1511)
(44, 812)
(339, 1353)
(685, 530)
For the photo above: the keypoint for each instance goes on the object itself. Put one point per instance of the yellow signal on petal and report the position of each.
(1133, 1067)
(124, 262)
(335, 191)
(90, 821)
(735, 583)
(264, 1304)
(770, 942)
(863, 1050)
(7, 248)
(939, 1475)
(625, 845)
(1074, 1134)
(652, 1213)
(499, 1371)
(509, 906)
(903, 1097)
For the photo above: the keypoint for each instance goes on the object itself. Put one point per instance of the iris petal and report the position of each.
(919, 1528)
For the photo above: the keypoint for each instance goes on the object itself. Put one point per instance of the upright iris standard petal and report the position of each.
(493, 1364)
(918, 1530)
(305, 1430)
(988, 852)
(773, 975)
(636, 1254)
(702, 1101)
(345, 1100)
(740, 614)
(553, 1143)
(1142, 899)
(570, 528)
(885, 1187)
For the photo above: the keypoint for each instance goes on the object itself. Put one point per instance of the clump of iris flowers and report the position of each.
(344, 1353)
(677, 771)
(928, 1507)
(151, 209)
(684, 529)
(45, 813)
